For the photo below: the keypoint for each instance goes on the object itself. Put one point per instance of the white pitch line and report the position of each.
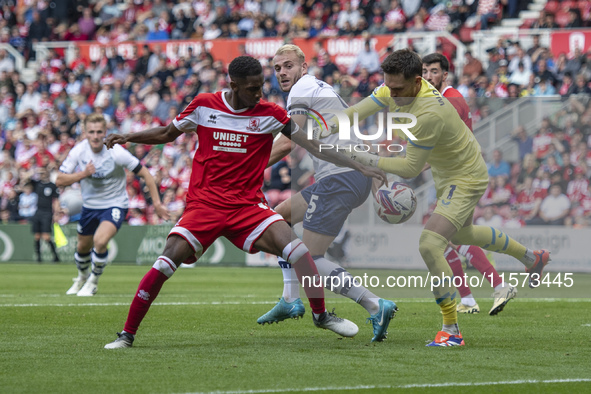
(406, 386)
(330, 302)
(127, 304)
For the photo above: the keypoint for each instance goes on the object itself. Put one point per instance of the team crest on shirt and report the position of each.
(254, 125)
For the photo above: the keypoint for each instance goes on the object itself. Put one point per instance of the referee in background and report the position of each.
(42, 221)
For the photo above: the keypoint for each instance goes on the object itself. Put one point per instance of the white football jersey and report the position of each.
(310, 94)
(106, 188)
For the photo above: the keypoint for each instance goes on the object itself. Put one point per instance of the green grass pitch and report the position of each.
(201, 336)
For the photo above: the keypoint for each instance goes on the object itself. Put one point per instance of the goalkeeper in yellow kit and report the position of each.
(459, 172)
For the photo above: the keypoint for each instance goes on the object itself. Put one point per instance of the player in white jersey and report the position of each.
(324, 206)
(104, 199)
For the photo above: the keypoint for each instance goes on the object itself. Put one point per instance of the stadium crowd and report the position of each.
(40, 121)
(28, 21)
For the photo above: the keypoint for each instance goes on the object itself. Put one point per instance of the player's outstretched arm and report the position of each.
(281, 147)
(409, 167)
(330, 155)
(366, 107)
(158, 207)
(153, 136)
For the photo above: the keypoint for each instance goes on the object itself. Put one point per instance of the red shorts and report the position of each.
(202, 224)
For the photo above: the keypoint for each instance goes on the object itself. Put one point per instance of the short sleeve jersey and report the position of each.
(459, 102)
(46, 192)
(312, 97)
(234, 148)
(106, 188)
(455, 153)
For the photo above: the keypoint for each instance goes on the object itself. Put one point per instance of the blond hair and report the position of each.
(292, 48)
(95, 118)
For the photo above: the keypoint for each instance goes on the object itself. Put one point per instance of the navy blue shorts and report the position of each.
(91, 218)
(332, 199)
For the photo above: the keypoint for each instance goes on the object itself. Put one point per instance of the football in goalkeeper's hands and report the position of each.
(395, 203)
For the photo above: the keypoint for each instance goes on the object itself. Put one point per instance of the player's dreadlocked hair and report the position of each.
(244, 66)
(405, 62)
(437, 58)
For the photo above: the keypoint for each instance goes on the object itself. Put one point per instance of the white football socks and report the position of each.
(291, 285)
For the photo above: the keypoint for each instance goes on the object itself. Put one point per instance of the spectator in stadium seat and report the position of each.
(29, 100)
(27, 202)
(544, 88)
(536, 49)
(542, 71)
(514, 220)
(347, 14)
(577, 187)
(521, 58)
(279, 186)
(12, 206)
(524, 142)
(377, 27)
(543, 139)
(554, 208)
(141, 66)
(473, 67)
(108, 12)
(368, 59)
(487, 10)
(529, 199)
(567, 86)
(494, 59)
(542, 179)
(6, 62)
(574, 19)
(520, 76)
(549, 22)
(464, 86)
(581, 86)
(499, 167)
(439, 19)
(329, 67)
(490, 218)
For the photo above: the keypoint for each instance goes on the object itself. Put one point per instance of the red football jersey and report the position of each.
(526, 200)
(234, 148)
(459, 102)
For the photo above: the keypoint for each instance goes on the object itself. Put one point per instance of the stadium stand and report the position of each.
(139, 62)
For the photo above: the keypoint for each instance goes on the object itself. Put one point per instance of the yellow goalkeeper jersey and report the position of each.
(454, 151)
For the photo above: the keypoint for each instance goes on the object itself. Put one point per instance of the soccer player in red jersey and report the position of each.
(236, 131)
(435, 70)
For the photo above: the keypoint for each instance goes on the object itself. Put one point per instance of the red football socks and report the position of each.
(478, 259)
(456, 266)
(305, 267)
(146, 293)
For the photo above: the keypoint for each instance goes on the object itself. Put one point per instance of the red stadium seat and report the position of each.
(466, 34)
(585, 8)
(567, 4)
(562, 18)
(527, 23)
(552, 6)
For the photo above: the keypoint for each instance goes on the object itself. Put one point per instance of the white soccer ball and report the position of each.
(395, 203)
(71, 199)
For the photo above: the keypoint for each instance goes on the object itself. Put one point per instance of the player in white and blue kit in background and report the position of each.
(324, 206)
(101, 173)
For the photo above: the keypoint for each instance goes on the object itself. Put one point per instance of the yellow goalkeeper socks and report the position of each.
(432, 246)
(494, 240)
